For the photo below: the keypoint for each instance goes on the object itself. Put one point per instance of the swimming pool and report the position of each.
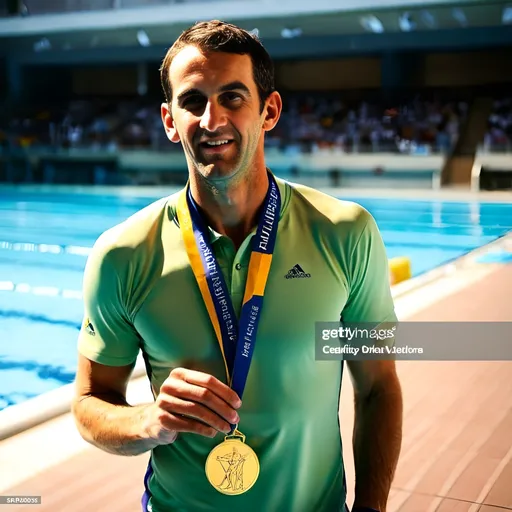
(45, 238)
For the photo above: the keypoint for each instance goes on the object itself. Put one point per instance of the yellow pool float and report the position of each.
(399, 269)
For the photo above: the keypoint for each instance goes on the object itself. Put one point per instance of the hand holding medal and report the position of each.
(232, 467)
(191, 401)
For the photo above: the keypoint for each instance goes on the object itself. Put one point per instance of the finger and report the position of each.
(194, 410)
(208, 381)
(189, 425)
(204, 396)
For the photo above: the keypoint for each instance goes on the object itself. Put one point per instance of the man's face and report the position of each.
(215, 112)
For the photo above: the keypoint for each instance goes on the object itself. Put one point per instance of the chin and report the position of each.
(218, 171)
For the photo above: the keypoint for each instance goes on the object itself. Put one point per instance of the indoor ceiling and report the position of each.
(442, 17)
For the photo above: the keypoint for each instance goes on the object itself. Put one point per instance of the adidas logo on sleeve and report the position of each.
(297, 272)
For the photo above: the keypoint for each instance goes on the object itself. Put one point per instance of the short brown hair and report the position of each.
(218, 36)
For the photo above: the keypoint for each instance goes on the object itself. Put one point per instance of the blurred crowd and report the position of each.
(418, 126)
(499, 128)
(309, 123)
(104, 125)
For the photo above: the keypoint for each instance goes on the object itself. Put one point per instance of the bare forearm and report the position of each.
(376, 442)
(112, 425)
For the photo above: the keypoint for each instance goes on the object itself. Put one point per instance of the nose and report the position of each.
(214, 117)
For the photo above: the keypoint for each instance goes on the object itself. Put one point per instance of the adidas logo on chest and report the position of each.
(297, 272)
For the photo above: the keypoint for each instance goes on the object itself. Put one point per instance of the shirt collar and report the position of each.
(214, 235)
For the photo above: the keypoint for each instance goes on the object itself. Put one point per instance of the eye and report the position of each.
(232, 97)
(192, 102)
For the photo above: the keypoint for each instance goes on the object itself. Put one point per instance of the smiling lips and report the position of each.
(216, 146)
(216, 142)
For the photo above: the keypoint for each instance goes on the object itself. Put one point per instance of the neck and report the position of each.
(231, 207)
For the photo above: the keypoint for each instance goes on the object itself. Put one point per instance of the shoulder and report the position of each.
(323, 210)
(137, 234)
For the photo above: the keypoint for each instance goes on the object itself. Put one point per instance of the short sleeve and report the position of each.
(370, 299)
(107, 335)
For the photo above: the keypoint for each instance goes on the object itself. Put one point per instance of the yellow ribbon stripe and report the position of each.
(259, 268)
(196, 263)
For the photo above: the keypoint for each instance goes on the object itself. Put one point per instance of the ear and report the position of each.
(274, 105)
(168, 122)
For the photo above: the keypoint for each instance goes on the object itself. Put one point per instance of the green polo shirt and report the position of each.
(140, 293)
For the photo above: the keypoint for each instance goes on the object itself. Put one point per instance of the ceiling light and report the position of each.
(289, 33)
(143, 38)
(372, 24)
(506, 17)
(42, 44)
(460, 16)
(428, 19)
(406, 23)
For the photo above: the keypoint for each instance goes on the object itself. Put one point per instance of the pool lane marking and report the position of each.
(47, 291)
(45, 248)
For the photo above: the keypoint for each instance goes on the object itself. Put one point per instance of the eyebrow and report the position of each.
(231, 86)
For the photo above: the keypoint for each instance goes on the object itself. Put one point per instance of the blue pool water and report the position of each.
(38, 329)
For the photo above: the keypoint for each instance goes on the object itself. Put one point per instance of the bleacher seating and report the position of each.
(308, 124)
(498, 137)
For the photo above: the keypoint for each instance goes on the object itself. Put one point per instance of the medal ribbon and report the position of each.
(236, 339)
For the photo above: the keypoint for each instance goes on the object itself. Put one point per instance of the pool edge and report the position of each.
(18, 418)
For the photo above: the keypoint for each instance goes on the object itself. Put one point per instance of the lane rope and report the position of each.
(46, 291)
(45, 248)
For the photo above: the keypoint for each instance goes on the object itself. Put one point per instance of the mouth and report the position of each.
(216, 146)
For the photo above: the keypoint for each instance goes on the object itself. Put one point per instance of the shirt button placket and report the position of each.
(237, 282)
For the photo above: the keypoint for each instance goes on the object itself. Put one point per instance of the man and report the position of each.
(238, 254)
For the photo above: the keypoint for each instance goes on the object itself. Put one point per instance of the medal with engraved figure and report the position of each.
(232, 467)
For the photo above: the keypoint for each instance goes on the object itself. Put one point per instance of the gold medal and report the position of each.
(232, 467)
